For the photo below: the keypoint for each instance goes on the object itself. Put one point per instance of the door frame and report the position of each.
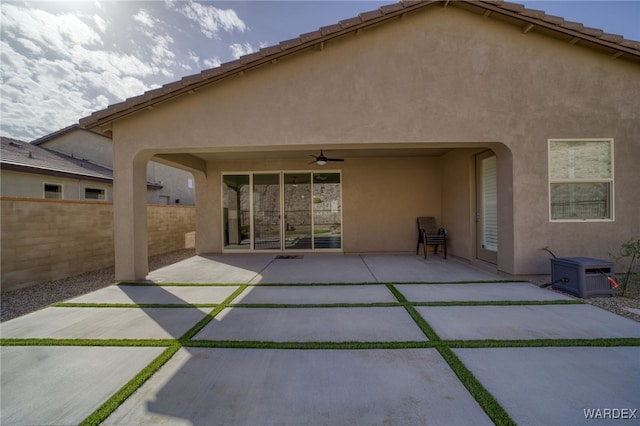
(282, 248)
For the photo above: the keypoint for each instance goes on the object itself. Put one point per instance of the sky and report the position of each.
(62, 60)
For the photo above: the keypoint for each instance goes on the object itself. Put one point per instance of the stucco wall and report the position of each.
(83, 144)
(381, 198)
(99, 150)
(43, 240)
(28, 185)
(437, 77)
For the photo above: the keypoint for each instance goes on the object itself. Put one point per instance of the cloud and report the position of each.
(212, 62)
(100, 23)
(56, 69)
(194, 56)
(238, 49)
(54, 31)
(210, 19)
(143, 18)
(61, 62)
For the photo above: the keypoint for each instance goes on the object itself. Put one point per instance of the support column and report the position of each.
(130, 215)
(208, 211)
(506, 237)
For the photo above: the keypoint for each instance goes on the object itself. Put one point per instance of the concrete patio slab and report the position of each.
(477, 292)
(269, 387)
(313, 325)
(227, 268)
(413, 268)
(104, 323)
(555, 385)
(179, 295)
(47, 385)
(527, 322)
(316, 268)
(377, 293)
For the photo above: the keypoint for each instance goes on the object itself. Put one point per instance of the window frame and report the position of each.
(94, 188)
(610, 180)
(44, 190)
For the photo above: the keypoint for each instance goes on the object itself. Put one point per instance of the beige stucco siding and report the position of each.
(381, 198)
(437, 77)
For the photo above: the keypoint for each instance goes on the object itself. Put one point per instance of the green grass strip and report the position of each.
(317, 305)
(500, 303)
(319, 284)
(128, 389)
(87, 342)
(134, 305)
(252, 344)
(464, 282)
(204, 321)
(488, 403)
(424, 326)
(599, 342)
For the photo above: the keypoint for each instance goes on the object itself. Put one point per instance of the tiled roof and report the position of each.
(22, 156)
(527, 19)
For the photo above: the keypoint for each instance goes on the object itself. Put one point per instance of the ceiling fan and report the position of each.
(321, 160)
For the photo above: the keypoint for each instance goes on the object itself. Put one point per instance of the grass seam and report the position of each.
(112, 404)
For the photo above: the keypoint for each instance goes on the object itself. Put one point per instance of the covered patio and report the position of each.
(310, 268)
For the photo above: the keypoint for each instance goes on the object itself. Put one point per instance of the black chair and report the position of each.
(430, 234)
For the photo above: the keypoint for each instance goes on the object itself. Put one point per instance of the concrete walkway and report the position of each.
(376, 339)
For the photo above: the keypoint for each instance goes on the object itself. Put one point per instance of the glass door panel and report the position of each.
(236, 207)
(266, 212)
(327, 231)
(487, 208)
(297, 211)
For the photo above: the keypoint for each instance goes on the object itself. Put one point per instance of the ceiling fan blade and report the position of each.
(335, 159)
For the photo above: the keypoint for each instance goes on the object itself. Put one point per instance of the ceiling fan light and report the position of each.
(321, 162)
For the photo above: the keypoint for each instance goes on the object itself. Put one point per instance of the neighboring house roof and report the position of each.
(68, 129)
(528, 19)
(24, 157)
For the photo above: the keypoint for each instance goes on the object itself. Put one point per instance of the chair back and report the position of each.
(428, 225)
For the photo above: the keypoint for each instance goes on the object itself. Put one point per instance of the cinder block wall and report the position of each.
(170, 228)
(42, 240)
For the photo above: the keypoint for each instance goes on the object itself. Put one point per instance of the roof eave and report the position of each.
(267, 55)
(49, 172)
(103, 119)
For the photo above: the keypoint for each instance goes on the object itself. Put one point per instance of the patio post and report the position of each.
(130, 215)
(208, 237)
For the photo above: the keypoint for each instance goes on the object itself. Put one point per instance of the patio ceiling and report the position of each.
(330, 152)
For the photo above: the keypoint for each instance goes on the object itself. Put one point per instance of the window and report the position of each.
(581, 179)
(53, 191)
(94, 194)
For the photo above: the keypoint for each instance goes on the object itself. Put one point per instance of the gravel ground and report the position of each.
(22, 301)
(19, 302)
(616, 304)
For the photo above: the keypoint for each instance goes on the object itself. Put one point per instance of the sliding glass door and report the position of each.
(282, 211)
(297, 211)
(266, 211)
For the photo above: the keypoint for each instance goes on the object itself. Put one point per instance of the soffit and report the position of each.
(332, 153)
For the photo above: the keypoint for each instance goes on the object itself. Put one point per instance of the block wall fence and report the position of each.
(43, 240)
